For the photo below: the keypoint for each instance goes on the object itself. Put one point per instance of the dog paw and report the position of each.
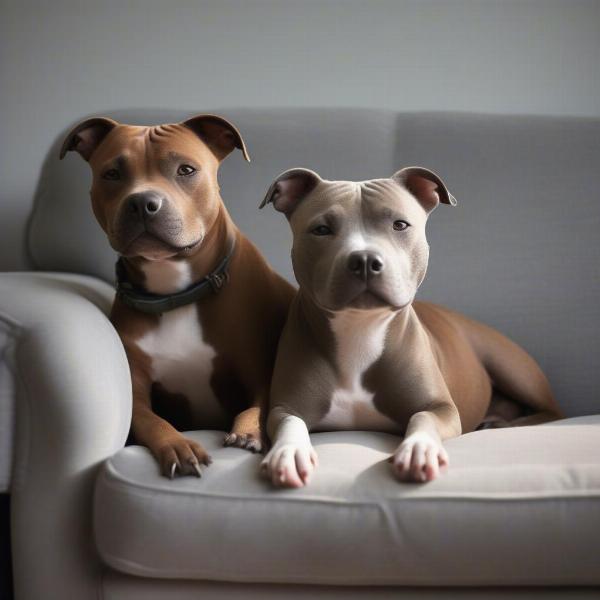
(419, 458)
(248, 441)
(289, 465)
(180, 456)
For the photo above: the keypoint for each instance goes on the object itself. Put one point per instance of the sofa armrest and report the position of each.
(73, 409)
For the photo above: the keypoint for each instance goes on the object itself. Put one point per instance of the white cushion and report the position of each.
(517, 507)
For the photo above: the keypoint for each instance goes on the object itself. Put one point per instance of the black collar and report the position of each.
(159, 303)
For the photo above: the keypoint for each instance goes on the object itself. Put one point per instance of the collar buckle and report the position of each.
(218, 280)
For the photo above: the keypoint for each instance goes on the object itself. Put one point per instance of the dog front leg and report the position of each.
(175, 453)
(292, 459)
(246, 429)
(421, 455)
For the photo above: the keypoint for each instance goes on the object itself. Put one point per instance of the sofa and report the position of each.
(518, 512)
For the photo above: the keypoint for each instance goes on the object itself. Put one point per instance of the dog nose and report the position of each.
(144, 203)
(365, 264)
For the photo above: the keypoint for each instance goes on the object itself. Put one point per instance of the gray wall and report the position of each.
(62, 60)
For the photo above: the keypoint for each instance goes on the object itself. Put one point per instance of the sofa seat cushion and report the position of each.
(518, 506)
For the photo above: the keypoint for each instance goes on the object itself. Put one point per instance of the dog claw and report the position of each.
(173, 469)
(197, 469)
(254, 446)
(245, 441)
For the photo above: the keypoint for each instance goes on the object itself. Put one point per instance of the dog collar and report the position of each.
(155, 304)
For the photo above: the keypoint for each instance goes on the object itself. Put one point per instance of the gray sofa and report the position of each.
(517, 514)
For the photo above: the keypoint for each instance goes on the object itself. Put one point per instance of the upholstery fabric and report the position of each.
(73, 410)
(17, 314)
(518, 506)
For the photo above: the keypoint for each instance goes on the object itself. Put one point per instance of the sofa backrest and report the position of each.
(519, 252)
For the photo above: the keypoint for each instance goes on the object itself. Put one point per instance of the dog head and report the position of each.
(359, 245)
(154, 190)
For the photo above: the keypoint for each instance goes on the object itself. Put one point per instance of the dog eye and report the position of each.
(401, 225)
(321, 230)
(111, 175)
(185, 170)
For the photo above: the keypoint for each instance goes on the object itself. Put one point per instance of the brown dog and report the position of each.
(358, 353)
(198, 309)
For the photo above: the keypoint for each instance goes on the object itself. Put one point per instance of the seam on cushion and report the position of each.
(115, 481)
(103, 576)
(16, 331)
(24, 414)
(227, 576)
(10, 321)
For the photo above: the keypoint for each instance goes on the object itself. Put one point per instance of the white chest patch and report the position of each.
(360, 340)
(182, 362)
(166, 276)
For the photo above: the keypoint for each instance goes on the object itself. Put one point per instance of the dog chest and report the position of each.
(359, 342)
(182, 362)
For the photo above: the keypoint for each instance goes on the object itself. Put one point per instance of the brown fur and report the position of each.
(242, 322)
(244, 336)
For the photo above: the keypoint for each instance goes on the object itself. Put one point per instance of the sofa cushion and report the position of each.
(517, 507)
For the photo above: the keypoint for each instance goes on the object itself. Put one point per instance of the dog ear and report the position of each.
(86, 137)
(289, 188)
(218, 134)
(427, 187)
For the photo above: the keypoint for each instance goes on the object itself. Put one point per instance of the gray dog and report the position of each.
(358, 353)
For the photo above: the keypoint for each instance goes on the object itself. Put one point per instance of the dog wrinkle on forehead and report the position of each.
(161, 146)
(124, 141)
(382, 190)
(329, 196)
(376, 208)
(173, 134)
(390, 198)
(157, 133)
(125, 136)
(175, 141)
(330, 192)
(377, 201)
